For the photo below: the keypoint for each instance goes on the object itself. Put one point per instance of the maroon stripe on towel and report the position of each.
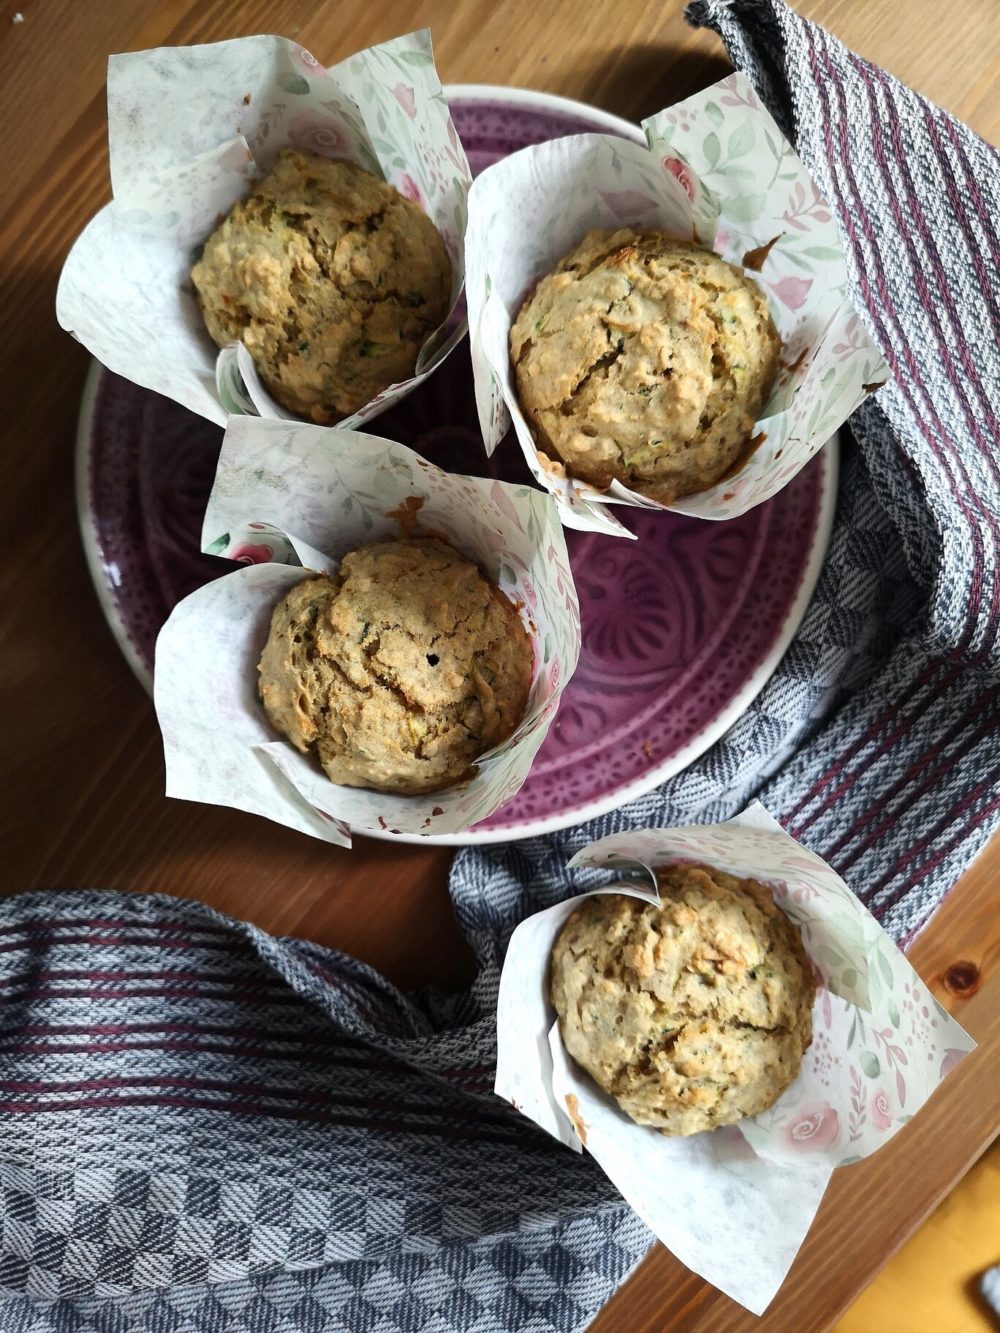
(180, 975)
(259, 1093)
(104, 1039)
(520, 1134)
(181, 991)
(968, 799)
(904, 724)
(938, 439)
(111, 923)
(956, 198)
(940, 297)
(56, 938)
(960, 483)
(916, 705)
(927, 676)
(932, 773)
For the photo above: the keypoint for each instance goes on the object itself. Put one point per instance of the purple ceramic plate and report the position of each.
(681, 628)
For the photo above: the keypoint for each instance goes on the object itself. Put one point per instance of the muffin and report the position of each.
(332, 280)
(645, 360)
(693, 1013)
(398, 671)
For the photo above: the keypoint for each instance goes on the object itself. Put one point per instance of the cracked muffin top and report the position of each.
(645, 360)
(332, 280)
(398, 671)
(692, 1013)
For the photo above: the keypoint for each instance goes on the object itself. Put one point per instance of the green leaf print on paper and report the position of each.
(734, 169)
(293, 83)
(741, 140)
(415, 57)
(712, 149)
(714, 112)
(746, 209)
(869, 1063)
(893, 1014)
(219, 545)
(884, 968)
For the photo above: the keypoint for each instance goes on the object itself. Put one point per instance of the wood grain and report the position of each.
(82, 799)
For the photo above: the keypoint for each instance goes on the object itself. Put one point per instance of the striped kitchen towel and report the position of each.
(207, 1129)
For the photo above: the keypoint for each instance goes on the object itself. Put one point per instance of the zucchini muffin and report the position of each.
(398, 671)
(645, 360)
(332, 280)
(691, 1014)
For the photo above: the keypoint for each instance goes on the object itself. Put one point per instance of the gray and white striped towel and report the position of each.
(207, 1129)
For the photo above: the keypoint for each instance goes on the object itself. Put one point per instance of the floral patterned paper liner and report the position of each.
(714, 168)
(321, 492)
(125, 290)
(867, 1072)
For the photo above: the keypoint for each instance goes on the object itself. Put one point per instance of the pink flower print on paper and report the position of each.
(951, 1059)
(409, 189)
(792, 292)
(404, 95)
(251, 555)
(880, 1112)
(682, 174)
(731, 1146)
(624, 204)
(733, 98)
(312, 133)
(801, 208)
(681, 116)
(852, 339)
(306, 61)
(813, 1130)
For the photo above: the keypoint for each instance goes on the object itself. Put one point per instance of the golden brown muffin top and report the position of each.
(646, 360)
(398, 671)
(693, 1013)
(331, 278)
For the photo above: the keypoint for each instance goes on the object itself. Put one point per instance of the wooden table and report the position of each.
(83, 775)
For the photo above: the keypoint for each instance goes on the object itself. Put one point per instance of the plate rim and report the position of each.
(88, 528)
(694, 749)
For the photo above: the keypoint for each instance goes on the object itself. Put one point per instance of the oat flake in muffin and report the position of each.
(332, 280)
(398, 671)
(646, 360)
(692, 1013)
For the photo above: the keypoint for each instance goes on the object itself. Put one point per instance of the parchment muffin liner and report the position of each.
(714, 169)
(734, 1204)
(288, 498)
(190, 128)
